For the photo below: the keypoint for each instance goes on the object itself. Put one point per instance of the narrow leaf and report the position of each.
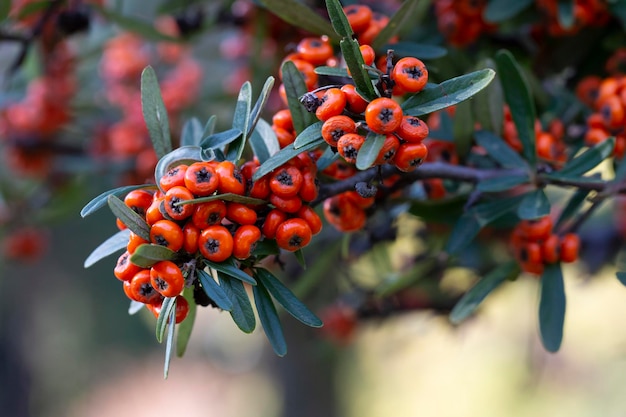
(311, 134)
(332, 71)
(192, 132)
(299, 15)
(263, 141)
(218, 140)
(621, 276)
(270, 320)
(552, 307)
(300, 258)
(259, 105)
(499, 150)
(287, 299)
(148, 254)
(463, 128)
(241, 122)
(572, 207)
(338, 19)
(418, 50)
(369, 150)
(285, 154)
(534, 205)
(475, 295)
(154, 113)
(488, 105)
(169, 342)
(113, 244)
(500, 10)
(242, 312)
(354, 61)
(327, 158)
(266, 247)
(135, 307)
(488, 211)
(132, 220)
(209, 127)
(185, 155)
(169, 304)
(410, 13)
(186, 326)
(229, 268)
(294, 89)
(503, 183)
(464, 231)
(450, 92)
(589, 159)
(101, 200)
(517, 96)
(214, 291)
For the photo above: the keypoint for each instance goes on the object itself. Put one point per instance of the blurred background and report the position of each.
(71, 128)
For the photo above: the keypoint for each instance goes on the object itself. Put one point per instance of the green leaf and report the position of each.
(185, 155)
(301, 16)
(311, 134)
(135, 307)
(499, 150)
(214, 291)
(464, 231)
(327, 158)
(224, 197)
(489, 211)
(534, 205)
(266, 247)
(294, 89)
(101, 200)
(618, 10)
(259, 105)
(113, 244)
(589, 159)
(242, 312)
(132, 220)
(552, 307)
(475, 295)
(566, 13)
(145, 29)
(270, 320)
(286, 298)
(354, 60)
(488, 105)
(332, 71)
(218, 140)
(209, 127)
(463, 128)
(285, 154)
(421, 51)
(5, 7)
(450, 92)
(192, 132)
(169, 305)
(338, 19)
(500, 10)
(154, 113)
(446, 210)
(229, 268)
(408, 14)
(169, 342)
(517, 96)
(147, 254)
(241, 121)
(300, 258)
(369, 150)
(186, 326)
(502, 183)
(621, 276)
(263, 141)
(571, 208)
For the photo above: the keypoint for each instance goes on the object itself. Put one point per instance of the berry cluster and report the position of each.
(534, 244)
(197, 214)
(586, 13)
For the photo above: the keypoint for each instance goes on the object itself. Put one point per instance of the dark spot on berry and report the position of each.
(212, 245)
(295, 241)
(350, 152)
(413, 72)
(203, 175)
(284, 178)
(161, 284)
(386, 115)
(160, 240)
(176, 209)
